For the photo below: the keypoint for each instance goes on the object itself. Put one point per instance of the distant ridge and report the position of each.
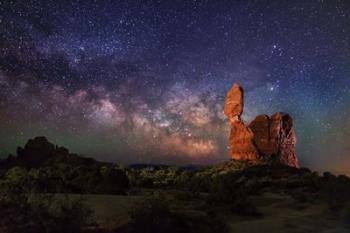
(39, 152)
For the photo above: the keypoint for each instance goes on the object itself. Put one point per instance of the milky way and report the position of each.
(144, 81)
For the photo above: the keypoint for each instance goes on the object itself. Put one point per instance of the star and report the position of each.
(150, 78)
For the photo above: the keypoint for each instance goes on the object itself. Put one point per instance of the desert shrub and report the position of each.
(142, 178)
(112, 180)
(24, 210)
(244, 206)
(345, 213)
(336, 190)
(304, 196)
(15, 181)
(152, 177)
(38, 216)
(133, 176)
(182, 179)
(70, 215)
(234, 191)
(224, 187)
(198, 183)
(154, 214)
(327, 176)
(65, 178)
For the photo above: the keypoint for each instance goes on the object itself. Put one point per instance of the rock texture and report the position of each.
(260, 127)
(233, 106)
(241, 141)
(284, 138)
(275, 138)
(241, 137)
(266, 138)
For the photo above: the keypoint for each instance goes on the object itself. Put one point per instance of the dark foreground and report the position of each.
(47, 189)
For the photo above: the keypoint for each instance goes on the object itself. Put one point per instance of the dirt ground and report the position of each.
(279, 214)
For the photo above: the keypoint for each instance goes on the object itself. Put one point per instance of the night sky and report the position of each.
(145, 81)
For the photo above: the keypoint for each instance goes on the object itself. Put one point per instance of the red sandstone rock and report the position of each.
(265, 138)
(241, 142)
(284, 138)
(241, 137)
(260, 127)
(233, 107)
(275, 138)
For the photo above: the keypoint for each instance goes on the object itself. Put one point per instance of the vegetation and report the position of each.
(155, 214)
(36, 193)
(67, 178)
(53, 169)
(24, 210)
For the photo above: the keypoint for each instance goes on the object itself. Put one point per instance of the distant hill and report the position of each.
(51, 168)
(40, 152)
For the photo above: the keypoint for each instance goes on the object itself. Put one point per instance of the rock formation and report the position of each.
(233, 107)
(265, 138)
(283, 131)
(241, 137)
(36, 152)
(275, 138)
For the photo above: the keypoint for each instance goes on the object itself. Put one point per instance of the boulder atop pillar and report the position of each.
(266, 138)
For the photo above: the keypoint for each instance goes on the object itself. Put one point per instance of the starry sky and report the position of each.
(145, 81)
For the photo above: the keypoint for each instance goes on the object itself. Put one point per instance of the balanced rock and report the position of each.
(233, 106)
(241, 137)
(267, 138)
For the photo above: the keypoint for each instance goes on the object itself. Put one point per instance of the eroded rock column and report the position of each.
(241, 137)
